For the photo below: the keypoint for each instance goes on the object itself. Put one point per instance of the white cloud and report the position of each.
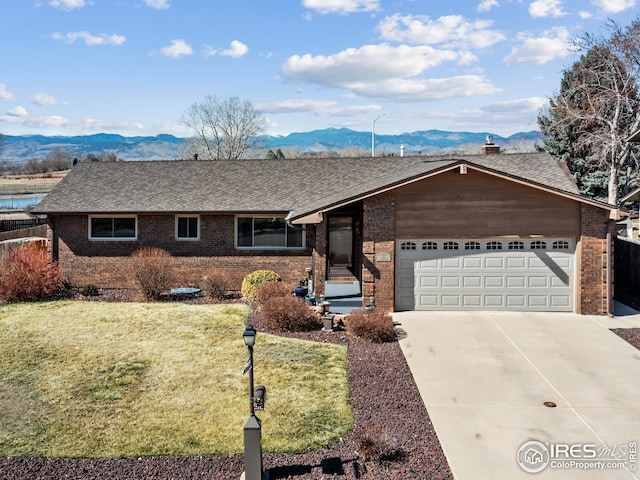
(89, 39)
(386, 73)
(552, 44)
(67, 4)
(45, 99)
(177, 49)
(614, 6)
(449, 30)
(342, 7)
(56, 124)
(546, 8)
(518, 113)
(296, 105)
(18, 112)
(369, 63)
(487, 5)
(319, 108)
(4, 94)
(420, 90)
(585, 14)
(158, 4)
(237, 49)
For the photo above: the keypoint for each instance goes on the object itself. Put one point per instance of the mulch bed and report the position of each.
(386, 403)
(630, 335)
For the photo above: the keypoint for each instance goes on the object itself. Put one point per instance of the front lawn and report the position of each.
(93, 379)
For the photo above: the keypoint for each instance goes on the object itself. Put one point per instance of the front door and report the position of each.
(340, 242)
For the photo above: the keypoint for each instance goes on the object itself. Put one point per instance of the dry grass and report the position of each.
(40, 183)
(88, 379)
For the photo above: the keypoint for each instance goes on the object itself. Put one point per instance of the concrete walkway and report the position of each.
(485, 376)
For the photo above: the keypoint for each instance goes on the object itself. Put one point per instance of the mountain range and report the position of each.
(164, 147)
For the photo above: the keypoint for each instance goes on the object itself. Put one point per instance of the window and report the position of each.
(538, 245)
(429, 245)
(187, 227)
(112, 228)
(472, 246)
(408, 246)
(561, 245)
(516, 245)
(494, 245)
(450, 245)
(267, 232)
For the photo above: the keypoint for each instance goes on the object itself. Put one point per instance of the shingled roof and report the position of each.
(299, 186)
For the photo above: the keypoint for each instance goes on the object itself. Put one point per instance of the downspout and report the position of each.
(609, 270)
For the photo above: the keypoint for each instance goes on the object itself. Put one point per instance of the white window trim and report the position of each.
(235, 234)
(112, 239)
(187, 239)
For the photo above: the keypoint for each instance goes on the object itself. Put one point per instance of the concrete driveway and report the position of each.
(485, 376)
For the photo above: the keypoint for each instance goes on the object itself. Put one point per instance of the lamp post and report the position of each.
(252, 427)
(373, 135)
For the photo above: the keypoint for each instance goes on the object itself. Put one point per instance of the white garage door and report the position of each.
(485, 274)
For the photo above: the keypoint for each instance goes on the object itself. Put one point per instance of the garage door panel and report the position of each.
(428, 281)
(429, 264)
(518, 301)
(494, 282)
(494, 262)
(516, 281)
(472, 262)
(516, 263)
(538, 301)
(451, 300)
(560, 300)
(472, 282)
(454, 282)
(452, 263)
(472, 300)
(538, 282)
(494, 301)
(486, 277)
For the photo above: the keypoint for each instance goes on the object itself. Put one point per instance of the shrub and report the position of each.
(288, 314)
(217, 286)
(90, 291)
(271, 289)
(375, 446)
(254, 280)
(374, 325)
(153, 271)
(27, 275)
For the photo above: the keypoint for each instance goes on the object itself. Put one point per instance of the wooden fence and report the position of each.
(627, 271)
(21, 224)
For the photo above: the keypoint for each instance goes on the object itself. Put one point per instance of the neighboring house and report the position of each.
(495, 232)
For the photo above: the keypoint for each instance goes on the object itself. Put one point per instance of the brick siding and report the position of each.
(592, 261)
(107, 263)
(378, 240)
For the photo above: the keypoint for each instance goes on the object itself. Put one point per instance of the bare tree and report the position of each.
(588, 122)
(225, 128)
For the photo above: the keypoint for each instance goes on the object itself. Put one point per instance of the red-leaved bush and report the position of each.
(289, 314)
(375, 326)
(27, 274)
(268, 290)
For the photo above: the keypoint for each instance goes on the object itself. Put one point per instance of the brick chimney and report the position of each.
(489, 147)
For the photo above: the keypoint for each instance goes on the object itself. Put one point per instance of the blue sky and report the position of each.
(133, 67)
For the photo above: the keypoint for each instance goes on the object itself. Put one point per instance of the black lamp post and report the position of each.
(252, 427)
(249, 337)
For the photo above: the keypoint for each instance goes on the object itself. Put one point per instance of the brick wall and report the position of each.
(592, 261)
(378, 235)
(106, 263)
